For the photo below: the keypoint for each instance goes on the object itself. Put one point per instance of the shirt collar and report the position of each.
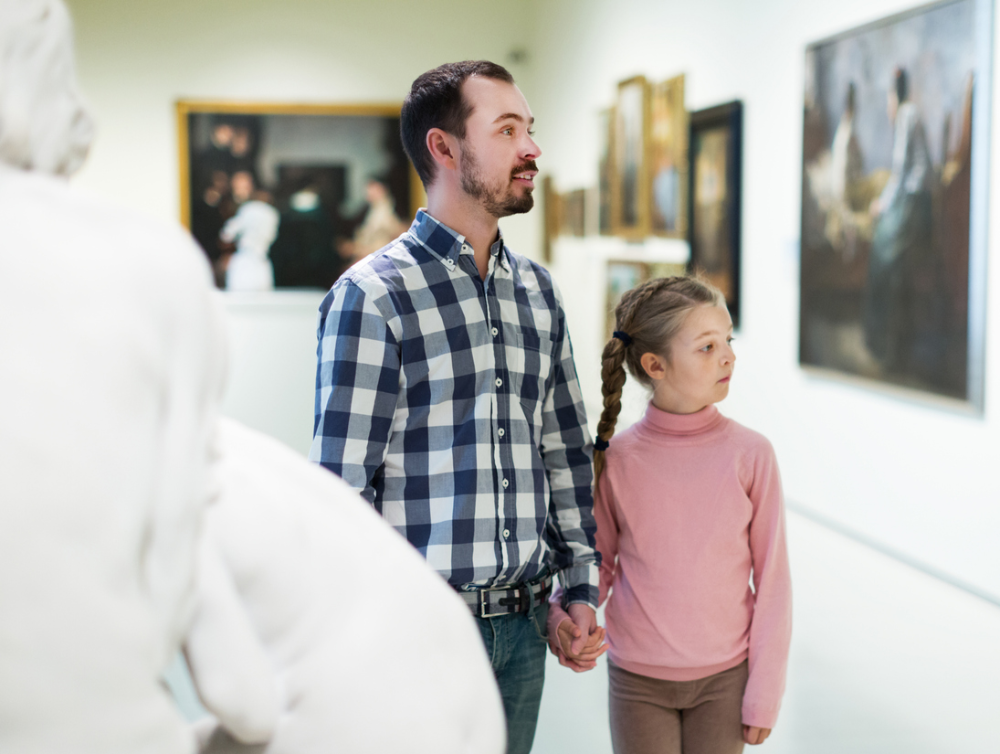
(448, 245)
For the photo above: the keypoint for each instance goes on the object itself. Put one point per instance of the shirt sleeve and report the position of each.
(771, 626)
(566, 451)
(357, 387)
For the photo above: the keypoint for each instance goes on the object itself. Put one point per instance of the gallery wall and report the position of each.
(137, 59)
(911, 476)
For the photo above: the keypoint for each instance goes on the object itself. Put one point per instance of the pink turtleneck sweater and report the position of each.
(689, 510)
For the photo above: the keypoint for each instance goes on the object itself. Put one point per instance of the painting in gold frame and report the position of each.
(630, 166)
(319, 171)
(668, 158)
(552, 203)
(605, 145)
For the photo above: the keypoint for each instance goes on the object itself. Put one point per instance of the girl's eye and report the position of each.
(707, 348)
(730, 340)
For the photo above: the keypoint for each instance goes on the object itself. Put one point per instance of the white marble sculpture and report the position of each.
(320, 624)
(111, 369)
(254, 228)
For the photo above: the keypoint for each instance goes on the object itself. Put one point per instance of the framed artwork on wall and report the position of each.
(624, 275)
(894, 184)
(288, 196)
(714, 188)
(552, 221)
(630, 166)
(605, 170)
(575, 213)
(668, 158)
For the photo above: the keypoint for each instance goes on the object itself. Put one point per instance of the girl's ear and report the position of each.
(654, 365)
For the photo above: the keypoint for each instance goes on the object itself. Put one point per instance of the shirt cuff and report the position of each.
(580, 584)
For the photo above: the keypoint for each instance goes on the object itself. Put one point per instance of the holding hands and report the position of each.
(574, 637)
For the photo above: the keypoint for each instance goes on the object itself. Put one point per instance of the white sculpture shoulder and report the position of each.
(359, 642)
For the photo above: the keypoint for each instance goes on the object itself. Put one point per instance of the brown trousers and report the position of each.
(650, 716)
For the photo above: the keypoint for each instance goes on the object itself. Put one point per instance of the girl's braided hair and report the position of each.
(650, 314)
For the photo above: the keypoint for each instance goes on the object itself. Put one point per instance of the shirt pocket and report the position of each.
(534, 366)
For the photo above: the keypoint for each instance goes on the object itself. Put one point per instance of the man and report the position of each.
(446, 389)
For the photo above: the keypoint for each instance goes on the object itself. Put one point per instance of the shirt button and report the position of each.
(495, 332)
(505, 484)
(506, 533)
(465, 247)
(499, 382)
(501, 432)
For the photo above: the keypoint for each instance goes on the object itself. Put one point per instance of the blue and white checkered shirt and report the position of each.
(452, 404)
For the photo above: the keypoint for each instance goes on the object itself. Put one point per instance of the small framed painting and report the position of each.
(630, 167)
(605, 145)
(668, 159)
(716, 140)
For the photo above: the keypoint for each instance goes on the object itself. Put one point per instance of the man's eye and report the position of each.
(508, 131)
(531, 132)
(707, 348)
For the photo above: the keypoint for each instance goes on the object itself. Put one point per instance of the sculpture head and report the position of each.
(44, 123)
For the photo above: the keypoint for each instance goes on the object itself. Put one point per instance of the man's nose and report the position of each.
(532, 150)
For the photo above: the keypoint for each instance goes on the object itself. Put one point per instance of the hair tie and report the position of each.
(601, 444)
(624, 337)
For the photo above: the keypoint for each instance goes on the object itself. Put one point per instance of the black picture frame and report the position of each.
(715, 180)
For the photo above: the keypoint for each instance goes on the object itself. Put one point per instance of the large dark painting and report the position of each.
(289, 196)
(892, 248)
(715, 207)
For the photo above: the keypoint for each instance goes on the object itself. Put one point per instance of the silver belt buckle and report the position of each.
(482, 601)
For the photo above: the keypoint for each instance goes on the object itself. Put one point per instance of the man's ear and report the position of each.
(443, 148)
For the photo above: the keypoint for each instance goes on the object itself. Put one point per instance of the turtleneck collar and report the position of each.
(683, 425)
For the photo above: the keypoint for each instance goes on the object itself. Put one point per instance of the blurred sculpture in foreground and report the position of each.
(110, 379)
(320, 628)
(110, 382)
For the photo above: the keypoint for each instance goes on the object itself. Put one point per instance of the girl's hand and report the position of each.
(754, 735)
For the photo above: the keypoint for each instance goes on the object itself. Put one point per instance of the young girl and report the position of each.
(689, 513)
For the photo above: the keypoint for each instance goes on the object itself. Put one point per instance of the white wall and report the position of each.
(136, 59)
(913, 477)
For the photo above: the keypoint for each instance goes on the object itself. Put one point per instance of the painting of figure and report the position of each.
(888, 158)
(289, 196)
(630, 207)
(668, 145)
(714, 214)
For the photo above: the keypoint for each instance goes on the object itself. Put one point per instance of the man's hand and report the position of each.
(563, 631)
(754, 735)
(585, 621)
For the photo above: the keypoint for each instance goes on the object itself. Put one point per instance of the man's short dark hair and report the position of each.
(435, 101)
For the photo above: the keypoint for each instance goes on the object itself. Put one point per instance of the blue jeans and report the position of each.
(516, 645)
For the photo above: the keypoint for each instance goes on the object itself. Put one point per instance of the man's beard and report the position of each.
(499, 200)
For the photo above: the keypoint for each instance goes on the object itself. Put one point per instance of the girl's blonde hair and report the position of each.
(648, 316)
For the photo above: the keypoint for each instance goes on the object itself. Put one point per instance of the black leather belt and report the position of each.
(507, 599)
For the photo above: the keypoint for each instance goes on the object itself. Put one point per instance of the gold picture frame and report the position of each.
(668, 159)
(630, 182)
(339, 148)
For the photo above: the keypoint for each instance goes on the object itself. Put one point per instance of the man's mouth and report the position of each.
(526, 174)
